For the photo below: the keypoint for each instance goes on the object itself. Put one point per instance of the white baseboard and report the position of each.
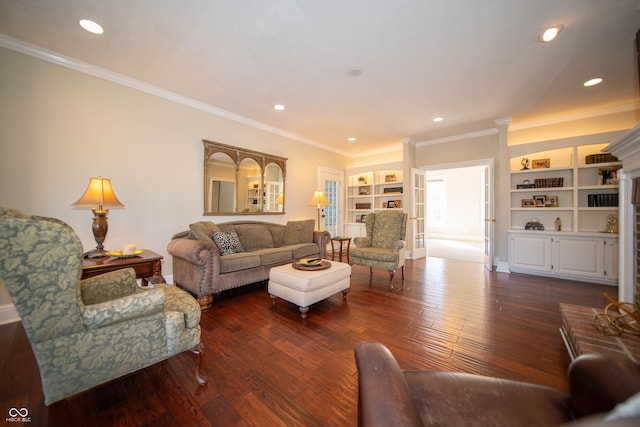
(503, 267)
(8, 314)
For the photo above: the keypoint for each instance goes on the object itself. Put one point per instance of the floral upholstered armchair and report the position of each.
(87, 332)
(384, 245)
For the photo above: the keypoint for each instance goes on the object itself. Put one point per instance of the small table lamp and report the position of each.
(99, 193)
(318, 199)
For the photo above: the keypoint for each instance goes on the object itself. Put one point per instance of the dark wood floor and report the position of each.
(268, 367)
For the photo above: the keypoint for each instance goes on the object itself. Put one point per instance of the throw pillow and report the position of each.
(300, 231)
(203, 230)
(227, 242)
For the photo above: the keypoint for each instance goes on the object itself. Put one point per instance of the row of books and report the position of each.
(548, 182)
(602, 200)
(600, 158)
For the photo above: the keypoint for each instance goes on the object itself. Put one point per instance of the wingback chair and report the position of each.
(87, 332)
(383, 247)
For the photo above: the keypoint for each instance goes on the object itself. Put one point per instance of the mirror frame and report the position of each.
(237, 155)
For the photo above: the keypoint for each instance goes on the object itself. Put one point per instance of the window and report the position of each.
(436, 198)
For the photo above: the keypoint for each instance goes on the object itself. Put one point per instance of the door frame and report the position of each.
(488, 222)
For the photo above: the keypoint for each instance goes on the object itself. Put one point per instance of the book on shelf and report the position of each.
(602, 200)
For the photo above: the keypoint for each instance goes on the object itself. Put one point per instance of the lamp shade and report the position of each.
(98, 193)
(318, 199)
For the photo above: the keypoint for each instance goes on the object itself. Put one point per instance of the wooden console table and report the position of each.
(148, 266)
(581, 336)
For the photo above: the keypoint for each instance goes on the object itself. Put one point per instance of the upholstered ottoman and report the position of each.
(304, 288)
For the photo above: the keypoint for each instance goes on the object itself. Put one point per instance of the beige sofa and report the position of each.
(204, 268)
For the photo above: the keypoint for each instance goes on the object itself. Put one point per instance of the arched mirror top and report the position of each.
(238, 181)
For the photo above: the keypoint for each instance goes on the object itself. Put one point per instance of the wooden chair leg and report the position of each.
(198, 350)
(370, 275)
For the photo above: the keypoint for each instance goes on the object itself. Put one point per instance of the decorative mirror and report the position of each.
(242, 182)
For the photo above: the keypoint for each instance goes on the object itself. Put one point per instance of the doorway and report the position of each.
(459, 211)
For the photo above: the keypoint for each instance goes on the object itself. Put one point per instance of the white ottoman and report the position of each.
(304, 288)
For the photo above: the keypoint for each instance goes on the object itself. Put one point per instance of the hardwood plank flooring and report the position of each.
(268, 367)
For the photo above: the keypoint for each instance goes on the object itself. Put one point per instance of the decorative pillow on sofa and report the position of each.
(227, 242)
(299, 232)
(203, 230)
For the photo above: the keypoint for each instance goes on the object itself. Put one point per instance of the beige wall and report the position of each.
(58, 127)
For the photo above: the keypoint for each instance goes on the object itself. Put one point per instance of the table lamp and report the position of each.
(98, 196)
(318, 199)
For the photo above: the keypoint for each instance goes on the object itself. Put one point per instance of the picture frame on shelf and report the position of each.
(541, 163)
(393, 204)
(551, 202)
(541, 201)
(390, 178)
(608, 176)
(364, 190)
(528, 203)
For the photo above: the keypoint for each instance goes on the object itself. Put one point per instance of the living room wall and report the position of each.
(59, 127)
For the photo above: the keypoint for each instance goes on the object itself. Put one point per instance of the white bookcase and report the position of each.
(576, 202)
(371, 191)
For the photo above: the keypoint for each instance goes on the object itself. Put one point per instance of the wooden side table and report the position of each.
(148, 266)
(341, 241)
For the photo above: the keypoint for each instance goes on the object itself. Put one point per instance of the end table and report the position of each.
(341, 241)
(148, 266)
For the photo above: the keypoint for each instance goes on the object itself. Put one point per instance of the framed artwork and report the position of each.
(364, 190)
(528, 203)
(608, 176)
(552, 202)
(393, 204)
(541, 163)
(390, 178)
(541, 201)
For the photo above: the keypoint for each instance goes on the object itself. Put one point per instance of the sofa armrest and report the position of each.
(140, 304)
(108, 286)
(598, 382)
(195, 251)
(322, 239)
(384, 398)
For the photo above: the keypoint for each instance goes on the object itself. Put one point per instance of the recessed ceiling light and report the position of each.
(550, 33)
(279, 107)
(91, 26)
(593, 82)
(351, 139)
(438, 119)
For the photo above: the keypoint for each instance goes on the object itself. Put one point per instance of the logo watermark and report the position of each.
(18, 415)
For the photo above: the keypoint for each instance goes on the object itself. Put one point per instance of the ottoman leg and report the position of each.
(303, 312)
(273, 299)
(344, 294)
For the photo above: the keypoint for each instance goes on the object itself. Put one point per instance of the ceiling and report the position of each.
(470, 61)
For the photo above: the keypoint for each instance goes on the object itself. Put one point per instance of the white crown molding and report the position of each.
(621, 108)
(40, 53)
(469, 135)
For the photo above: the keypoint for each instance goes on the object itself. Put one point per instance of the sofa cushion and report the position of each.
(254, 236)
(239, 261)
(227, 242)
(272, 256)
(299, 232)
(277, 232)
(203, 230)
(304, 250)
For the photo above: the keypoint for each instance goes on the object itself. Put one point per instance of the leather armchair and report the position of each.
(388, 396)
(383, 247)
(87, 332)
